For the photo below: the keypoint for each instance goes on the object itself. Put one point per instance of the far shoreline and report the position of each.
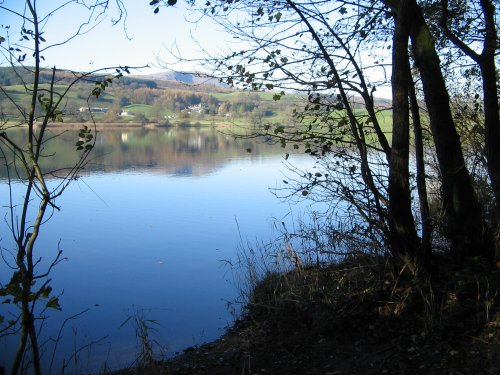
(132, 125)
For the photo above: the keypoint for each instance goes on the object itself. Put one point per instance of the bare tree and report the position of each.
(331, 51)
(24, 139)
(472, 25)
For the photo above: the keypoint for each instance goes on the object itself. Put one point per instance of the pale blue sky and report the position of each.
(108, 45)
(147, 36)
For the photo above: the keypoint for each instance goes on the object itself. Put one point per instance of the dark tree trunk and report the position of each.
(425, 246)
(403, 236)
(491, 108)
(492, 137)
(464, 221)
(486, 63)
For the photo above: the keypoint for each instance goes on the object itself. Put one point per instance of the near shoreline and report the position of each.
(357, 317)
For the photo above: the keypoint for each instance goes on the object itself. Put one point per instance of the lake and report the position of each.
(146, 232)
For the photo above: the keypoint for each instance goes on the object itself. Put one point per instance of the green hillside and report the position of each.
(144, 100)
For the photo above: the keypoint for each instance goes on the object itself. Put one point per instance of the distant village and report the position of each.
(197, 108)
(93, 110)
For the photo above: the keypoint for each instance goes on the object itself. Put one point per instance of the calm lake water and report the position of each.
(146, 231)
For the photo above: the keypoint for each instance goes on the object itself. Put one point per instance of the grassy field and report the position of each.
(263, 95)
(138, 108)
(267, 111)
(77, 96)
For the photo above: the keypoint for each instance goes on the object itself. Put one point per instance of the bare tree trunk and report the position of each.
(420, 170)
(464, 221)
(21, 348)
(492, 138)
(34, 345)
(491, 111)
(486, 63)
(404, 239)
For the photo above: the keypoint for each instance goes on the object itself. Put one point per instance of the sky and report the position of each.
(140, 39)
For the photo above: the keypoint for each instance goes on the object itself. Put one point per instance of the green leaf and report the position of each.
(46, 291)
(53, 303)
(279, 129)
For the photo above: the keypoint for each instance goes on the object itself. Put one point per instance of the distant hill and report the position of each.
(187, 78)
(9, 76)
(164, 98)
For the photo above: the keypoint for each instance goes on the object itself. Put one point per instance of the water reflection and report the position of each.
(180, 151)
(194, 151)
